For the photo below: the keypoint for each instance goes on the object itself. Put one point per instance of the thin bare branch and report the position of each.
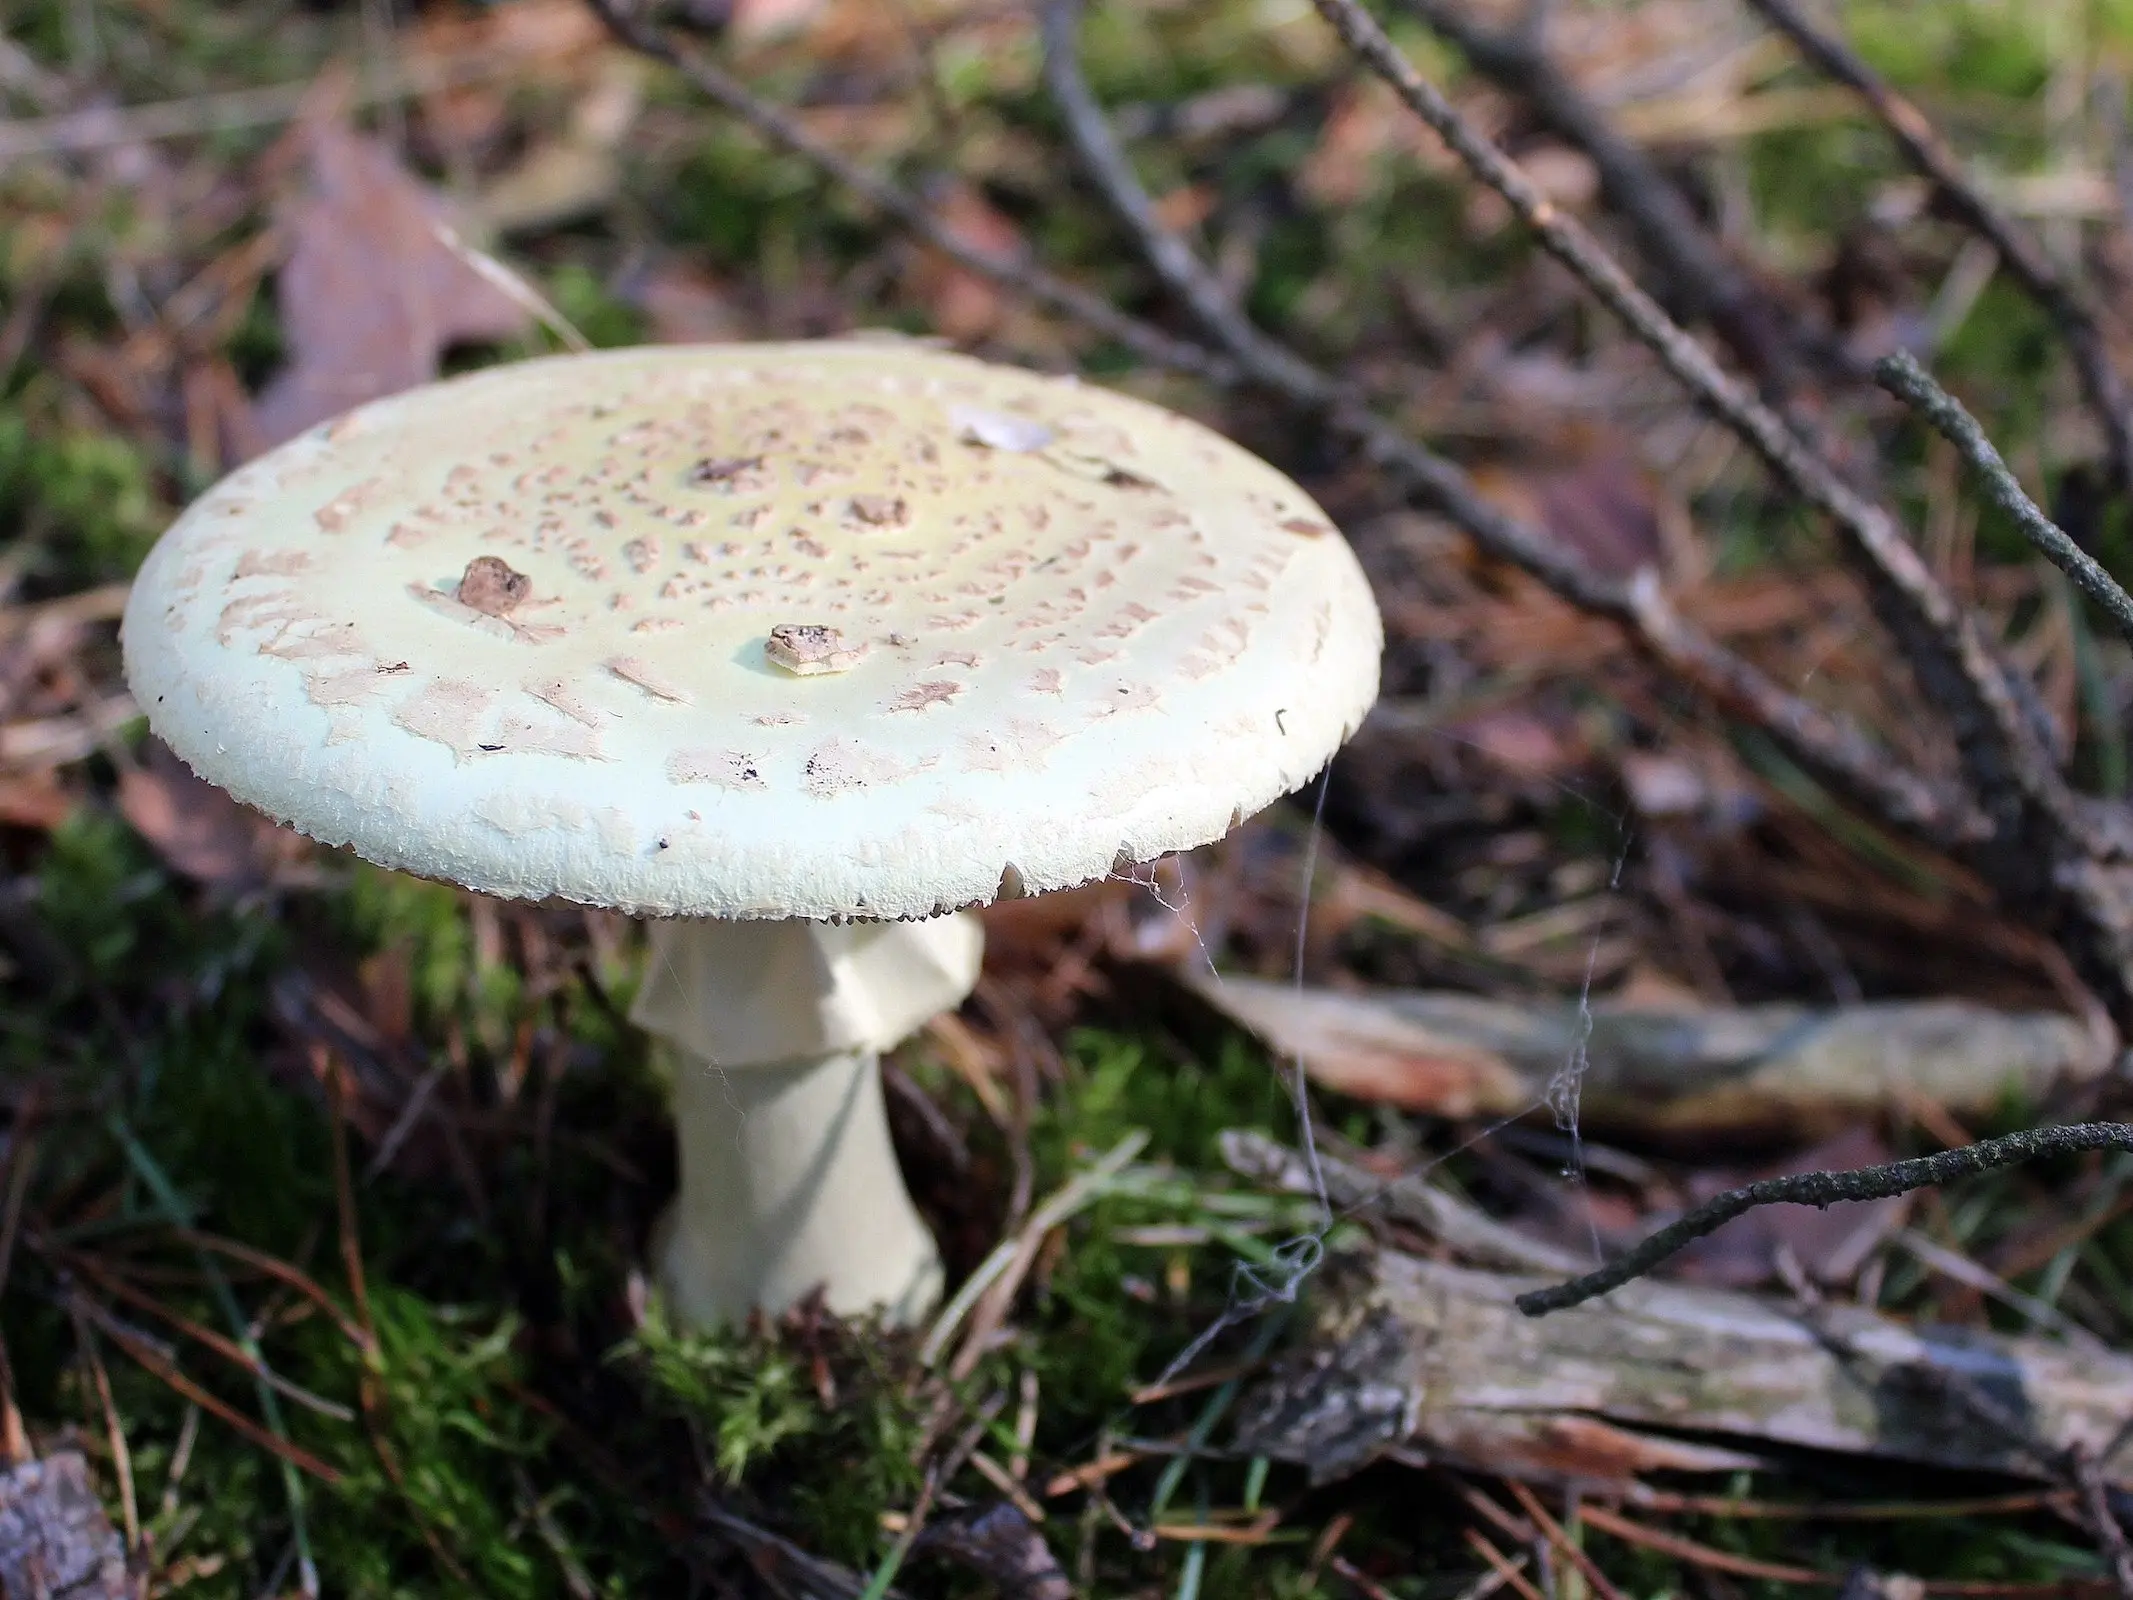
(2022, 255)
(1829, 746)
(2047, 851)
(1823, 1189)
(1909, 382)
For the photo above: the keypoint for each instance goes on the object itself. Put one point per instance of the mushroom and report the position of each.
(797, 650)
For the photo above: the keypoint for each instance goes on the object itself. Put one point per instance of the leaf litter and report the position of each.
(523, 1427)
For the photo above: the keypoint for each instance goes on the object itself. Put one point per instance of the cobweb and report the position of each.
(1257, 1288)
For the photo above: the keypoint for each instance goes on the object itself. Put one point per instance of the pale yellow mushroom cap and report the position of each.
(514, 630)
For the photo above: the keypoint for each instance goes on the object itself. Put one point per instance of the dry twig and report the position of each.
(1822, 1189)
(1909, 382)
(2042, 848)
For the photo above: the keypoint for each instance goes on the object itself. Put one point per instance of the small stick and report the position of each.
(1904, 378)
(1822, 1189)
(1929, 154)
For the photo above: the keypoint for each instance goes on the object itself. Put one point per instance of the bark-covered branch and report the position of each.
(1909, 382)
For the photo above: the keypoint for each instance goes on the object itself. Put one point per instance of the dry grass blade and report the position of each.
(153, 1361)
(281, 1272)
(114, 1430)
(989, 1291)
(206, 1337)
(371, 1388)
(1708, 1505)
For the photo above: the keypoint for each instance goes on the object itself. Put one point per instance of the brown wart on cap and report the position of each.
(490, 586)
(808, 649)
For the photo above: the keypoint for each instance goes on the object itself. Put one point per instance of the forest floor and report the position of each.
(323, 1190)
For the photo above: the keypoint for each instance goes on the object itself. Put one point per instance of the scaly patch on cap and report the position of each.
(811, 630)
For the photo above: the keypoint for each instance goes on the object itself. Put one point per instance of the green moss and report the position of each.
(819, 1423)
(88, 498)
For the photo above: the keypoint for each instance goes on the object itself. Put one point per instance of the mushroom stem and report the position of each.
(788, 1179)
(788, 1182)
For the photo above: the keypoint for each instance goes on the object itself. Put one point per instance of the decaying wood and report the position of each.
(55, 1541)
(1431, 1357)
(1800, 1069)
(1426, 1356)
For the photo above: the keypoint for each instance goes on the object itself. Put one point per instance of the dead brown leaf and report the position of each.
(963, 305)
(1604, 505)
(198, 829)
(371, 295)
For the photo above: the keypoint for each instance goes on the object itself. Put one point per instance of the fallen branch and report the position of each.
(1412, 1355)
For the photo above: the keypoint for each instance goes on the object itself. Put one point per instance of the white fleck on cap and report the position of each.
(813, 630)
